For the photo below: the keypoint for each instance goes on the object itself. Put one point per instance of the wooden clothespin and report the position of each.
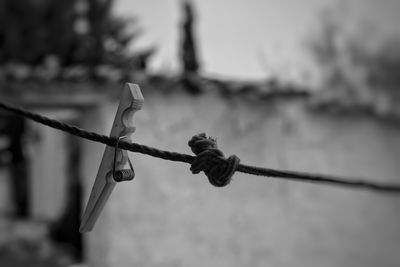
(113, 164)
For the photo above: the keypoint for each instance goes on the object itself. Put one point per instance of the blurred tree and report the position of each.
(65, 34)
(327, 50)
(188, 53)
(355, 67)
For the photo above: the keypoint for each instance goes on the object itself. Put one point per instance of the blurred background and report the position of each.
(310, 85)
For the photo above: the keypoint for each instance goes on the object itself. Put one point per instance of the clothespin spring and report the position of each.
(125, 174)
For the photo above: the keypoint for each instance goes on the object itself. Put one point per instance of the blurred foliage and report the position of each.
(66, 40)
(356, 70)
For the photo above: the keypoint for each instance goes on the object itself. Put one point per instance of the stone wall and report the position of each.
(168, 217)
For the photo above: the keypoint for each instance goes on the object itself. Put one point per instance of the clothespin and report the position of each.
(113, 164)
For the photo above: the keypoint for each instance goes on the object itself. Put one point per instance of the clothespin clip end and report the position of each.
(112, 167)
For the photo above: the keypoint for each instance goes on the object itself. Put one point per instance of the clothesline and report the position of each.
(208, 159)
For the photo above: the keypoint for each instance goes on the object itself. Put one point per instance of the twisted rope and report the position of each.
(209, 158)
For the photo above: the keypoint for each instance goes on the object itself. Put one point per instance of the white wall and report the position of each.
(168, 217)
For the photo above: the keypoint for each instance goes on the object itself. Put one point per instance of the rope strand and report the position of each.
(208, 158)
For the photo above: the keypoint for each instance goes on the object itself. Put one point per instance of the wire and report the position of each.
(179, 157)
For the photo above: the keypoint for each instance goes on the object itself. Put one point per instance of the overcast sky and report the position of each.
(250, 39)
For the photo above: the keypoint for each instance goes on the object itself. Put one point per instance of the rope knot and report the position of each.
(209, 159)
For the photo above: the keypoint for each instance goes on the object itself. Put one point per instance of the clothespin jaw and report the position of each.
(114, 160)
